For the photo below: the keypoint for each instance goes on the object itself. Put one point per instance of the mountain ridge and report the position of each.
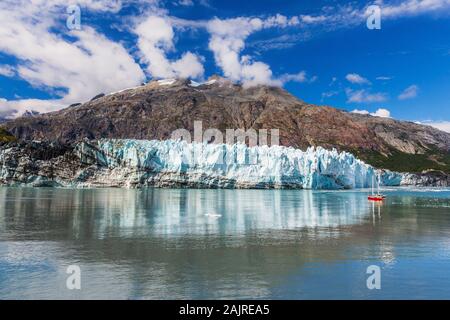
(156, 109)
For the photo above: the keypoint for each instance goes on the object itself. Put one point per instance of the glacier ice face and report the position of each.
(135, 163)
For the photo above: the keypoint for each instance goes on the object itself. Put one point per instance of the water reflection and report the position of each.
(155, 243)
(114, 212)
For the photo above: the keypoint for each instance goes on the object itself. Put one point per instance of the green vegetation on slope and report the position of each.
(404, 162)
(5, 136)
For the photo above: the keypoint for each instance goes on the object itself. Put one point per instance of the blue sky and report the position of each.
(321, 51)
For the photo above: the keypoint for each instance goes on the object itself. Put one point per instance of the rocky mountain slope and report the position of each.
(155, 110)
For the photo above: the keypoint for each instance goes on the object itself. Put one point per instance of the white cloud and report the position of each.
(308, 19)
(409, 93)
(383, 78)
(15, 108)
(189, 66)
(280, 21)
(155, 39)
(359, 96)
(190, 3)
(441, 125)
(300, 77)
(329, 94)
(313, 79)
(7, 70)
(228, 40)
(356, 78)
(228, 37)
(413, 7)
(331, 18)
(186, 3)
(360, 111)
(56, 7)
(257, 73)
(348, 15)
(84, 66)
(383, 113)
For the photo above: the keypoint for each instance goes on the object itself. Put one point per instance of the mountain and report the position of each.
(30, 113)
(156, 109)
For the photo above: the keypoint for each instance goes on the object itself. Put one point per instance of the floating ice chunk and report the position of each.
(213, 215)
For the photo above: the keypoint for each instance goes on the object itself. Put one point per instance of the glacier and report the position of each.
(169, 163)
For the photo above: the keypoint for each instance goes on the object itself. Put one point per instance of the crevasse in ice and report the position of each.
(224, 165)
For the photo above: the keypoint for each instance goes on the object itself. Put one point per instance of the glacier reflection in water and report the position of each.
(172, 212)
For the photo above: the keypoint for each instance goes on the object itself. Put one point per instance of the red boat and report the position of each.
(378, 196)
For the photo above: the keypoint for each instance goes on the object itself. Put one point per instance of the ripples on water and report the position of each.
(210, 244)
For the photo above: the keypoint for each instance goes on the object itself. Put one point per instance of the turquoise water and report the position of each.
(223, 244)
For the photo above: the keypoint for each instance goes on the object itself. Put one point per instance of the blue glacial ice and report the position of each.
(134, 163)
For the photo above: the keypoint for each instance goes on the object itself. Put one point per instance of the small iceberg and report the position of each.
(213, 215)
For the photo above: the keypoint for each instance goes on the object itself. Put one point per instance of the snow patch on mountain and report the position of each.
(198, 84)
(166, 82)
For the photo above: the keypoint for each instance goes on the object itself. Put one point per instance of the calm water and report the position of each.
(213, 244)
